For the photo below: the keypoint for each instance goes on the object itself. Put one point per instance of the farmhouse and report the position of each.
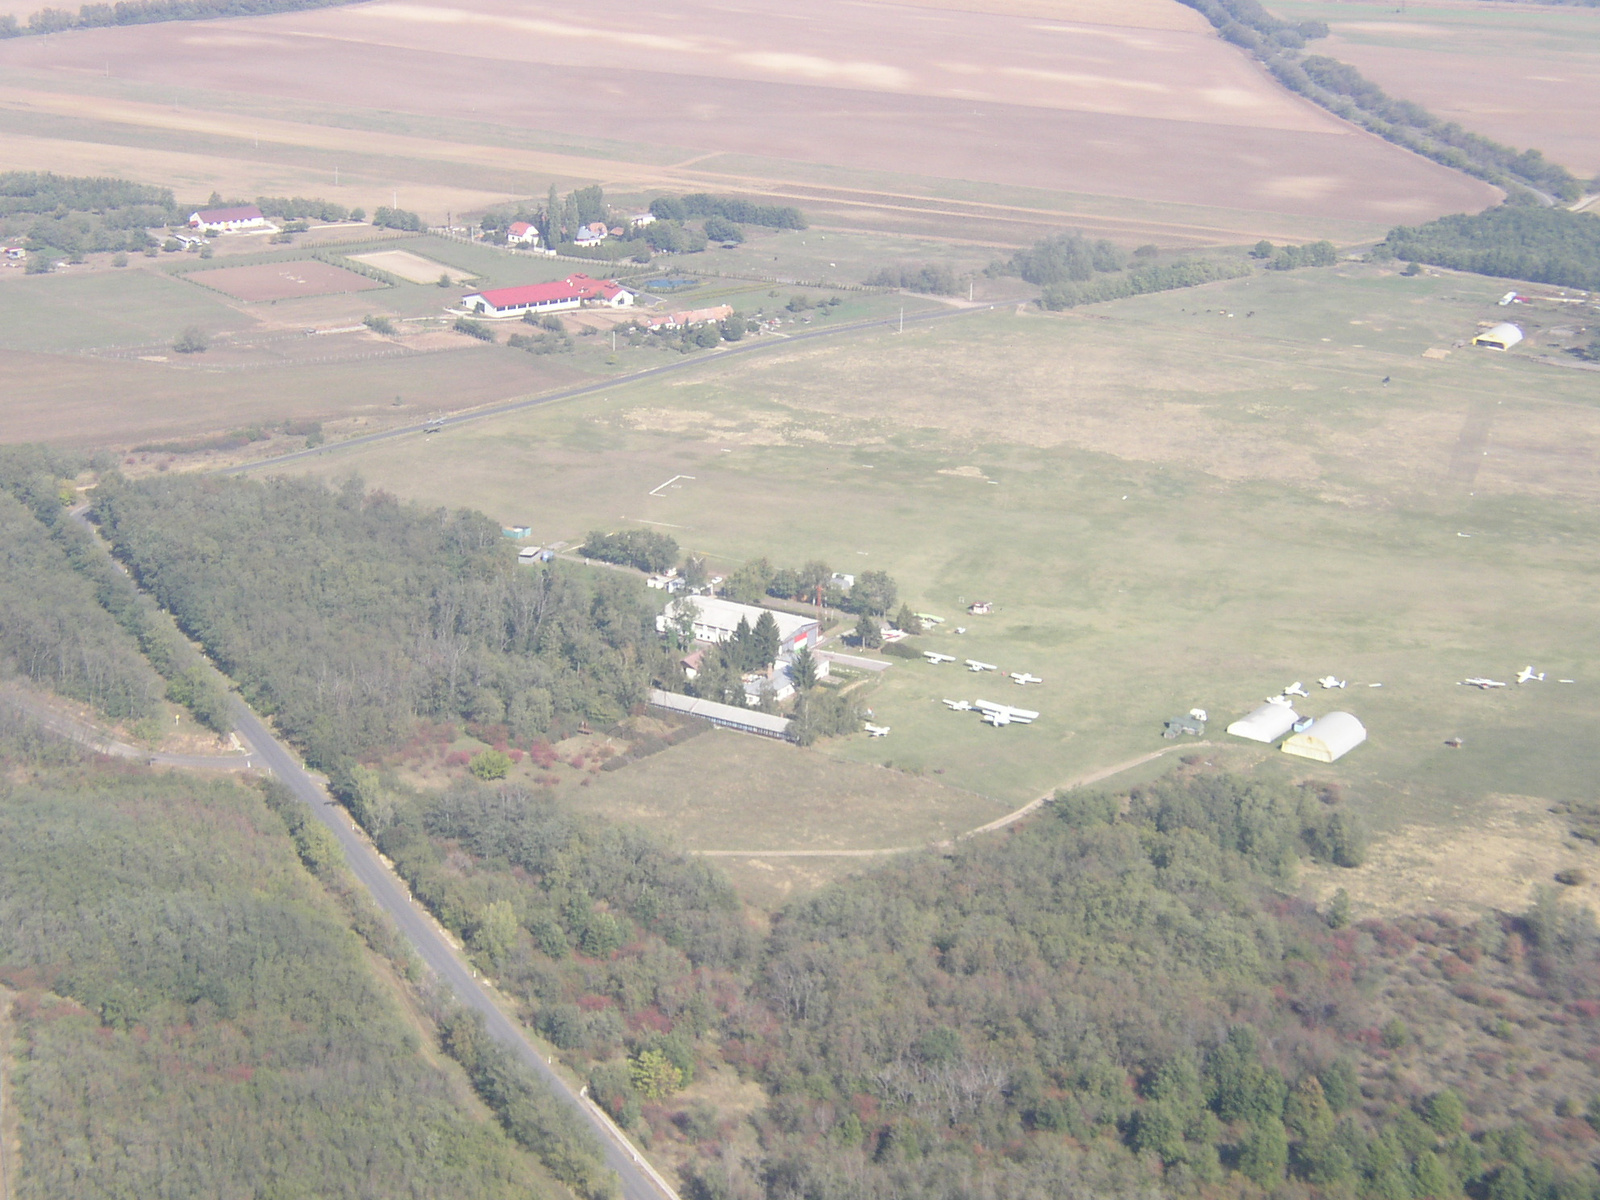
(522, 234)
(1502, 337)
(590, 235)
(715, 621)
(640, 219)
(1329, 738)
(689, 317)
(1266, 724)
(571, 292)
(228, 220)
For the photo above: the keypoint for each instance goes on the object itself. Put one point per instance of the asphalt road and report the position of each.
(768, 341)
(432, 946)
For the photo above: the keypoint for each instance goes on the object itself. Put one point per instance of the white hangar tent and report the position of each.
(1329, 738)
(1502, 337)
(1267, 724)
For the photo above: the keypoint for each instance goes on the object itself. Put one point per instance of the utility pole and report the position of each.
(902, 328)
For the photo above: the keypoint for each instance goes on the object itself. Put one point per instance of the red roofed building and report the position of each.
(226, 220)
(522, 234)
(571, 292)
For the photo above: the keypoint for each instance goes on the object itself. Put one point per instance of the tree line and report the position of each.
(1142, 280)
(1344, 91)
(1541, 245)
(147, 12)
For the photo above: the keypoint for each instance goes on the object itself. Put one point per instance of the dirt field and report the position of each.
(1085, 99)
(1524, 74)
(409, 266)
(283, 281)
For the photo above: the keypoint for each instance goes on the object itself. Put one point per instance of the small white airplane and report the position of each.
(1479, 681)
(1023, 677)
(961, 628)
(1283, 700)
(974, 665)
(1527, 675)
(958, 705)
(1328, 681)
(1008, 713)
(876, 730)
(936, 658)
(1294, 689)
(929, 618)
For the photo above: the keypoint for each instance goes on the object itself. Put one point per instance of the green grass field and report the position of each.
(61, 313)
(1168, 506)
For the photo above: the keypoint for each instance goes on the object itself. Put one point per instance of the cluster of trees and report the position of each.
(934, 278)
(1117, 994)
(643, 549)
(81, 215)
(192, 1017)
(299, 208)
(544, 342)
(1141, 280)
(71, 620)
(1062, 258)
(1543, 245)
(385, 217)
(349, 616)
(1344, 91)
(874, 592)
(732, 209)
(1290, 258)
(147, 12)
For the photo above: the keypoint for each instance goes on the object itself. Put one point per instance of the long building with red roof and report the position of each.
(570, 292)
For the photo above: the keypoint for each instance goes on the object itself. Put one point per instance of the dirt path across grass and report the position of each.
(1009, 819)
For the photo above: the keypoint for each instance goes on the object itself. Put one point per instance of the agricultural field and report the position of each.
(282, 281)
(1524, 74)
(1185, 500)
(1134, 120)
(413, 268)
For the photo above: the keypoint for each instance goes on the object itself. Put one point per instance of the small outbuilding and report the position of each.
(1502, 337)
(1329, 738)
(1266, 724)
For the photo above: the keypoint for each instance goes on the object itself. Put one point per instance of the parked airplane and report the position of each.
(974, 665)
(1328, 681)
(1023, 677)
(1479, 681)
(958, 705)
(1022, 716)
(1527, 675)
(1283, 700)
(1294, 689)
(876, 730)
(936, 658)
(997, 719)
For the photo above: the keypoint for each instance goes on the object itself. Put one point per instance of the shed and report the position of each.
(1266, 724)
(1329, 738)
(726, 715)
(1502, 337)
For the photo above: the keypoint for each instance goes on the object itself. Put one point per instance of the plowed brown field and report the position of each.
(1138, 100)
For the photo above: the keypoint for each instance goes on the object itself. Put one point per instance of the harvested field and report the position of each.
(1523, 74)
(1145, 104)
(283, 281)
(410, 267)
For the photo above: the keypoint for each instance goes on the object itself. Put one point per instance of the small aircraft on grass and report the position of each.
(1478, 681)
(1022, 677)
(1527, 675)
(1294, 689)
(936, 658)
(974, 665)
(1328, 681)
(1004, 714)
(958, 705)
(876, 730)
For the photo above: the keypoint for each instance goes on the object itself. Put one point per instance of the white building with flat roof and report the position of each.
(715, 621)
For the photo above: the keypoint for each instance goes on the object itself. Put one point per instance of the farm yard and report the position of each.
(283, 281)
(413, 268)
(1527, 75)
(1137, 119)
(1241, 504)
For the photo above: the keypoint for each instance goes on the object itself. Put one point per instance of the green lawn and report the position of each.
(76, 309)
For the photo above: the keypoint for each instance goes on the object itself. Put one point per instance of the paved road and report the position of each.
(687, 362)
(434, 948)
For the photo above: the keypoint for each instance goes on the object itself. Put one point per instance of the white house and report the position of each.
(591, 235)
(522, 234)
(716, 620)
(228, 220)
(640, 219)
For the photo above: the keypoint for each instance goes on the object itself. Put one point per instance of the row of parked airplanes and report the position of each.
(1019, 677)
(1526, 675)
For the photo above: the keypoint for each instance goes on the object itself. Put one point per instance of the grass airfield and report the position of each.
(1168, 506)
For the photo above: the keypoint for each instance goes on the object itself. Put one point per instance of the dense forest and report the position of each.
(81, 215)
(1541, 245)
(348, 616)
(193, 1018)
(1113, 999)
(1344, 91)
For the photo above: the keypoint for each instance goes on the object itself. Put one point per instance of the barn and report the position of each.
(1266, 724)
(228, 220)
(571, 292)
(1502, 337)
(715, 621)
(1329, 738)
